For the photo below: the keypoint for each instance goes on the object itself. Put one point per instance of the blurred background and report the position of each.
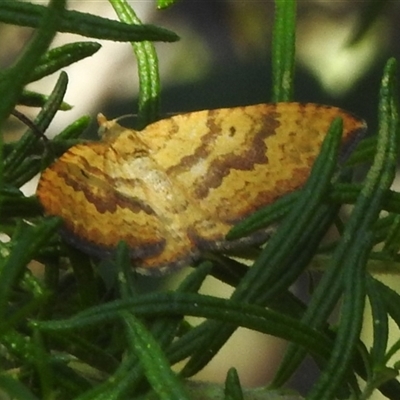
(224, 59)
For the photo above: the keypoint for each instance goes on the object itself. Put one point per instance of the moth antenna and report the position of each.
(125, 116)
(103, 121)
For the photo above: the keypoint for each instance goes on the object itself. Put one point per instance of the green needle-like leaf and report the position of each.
(283, 50)
(28, 14)
(149, 77)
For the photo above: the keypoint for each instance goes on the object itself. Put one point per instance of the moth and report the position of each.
(175, 188)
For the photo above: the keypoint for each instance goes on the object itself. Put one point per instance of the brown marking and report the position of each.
(254, 153)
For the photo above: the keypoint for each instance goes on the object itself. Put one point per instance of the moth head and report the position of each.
(109, 130)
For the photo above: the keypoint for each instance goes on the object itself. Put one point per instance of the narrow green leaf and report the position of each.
(17, 162)
(161, 4)
(85, 276)
(364, 151)
(115, 387)
(149, 78)
(233, 389)
(33, 99)
(283, 50)
(391, 300)
(28, 14)
(84, 350)
(73, 130)
(228, 311)
(165, 329)
(352, 252)
(392, 242)
(264, 217)
(69, 381)
(332, 376)
(193, 281)
(42, 366)
(380, 323)
(352, 247)
(157, 369)
(60, 57)
(17, 206)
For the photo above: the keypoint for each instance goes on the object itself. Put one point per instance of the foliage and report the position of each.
(87, 341)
